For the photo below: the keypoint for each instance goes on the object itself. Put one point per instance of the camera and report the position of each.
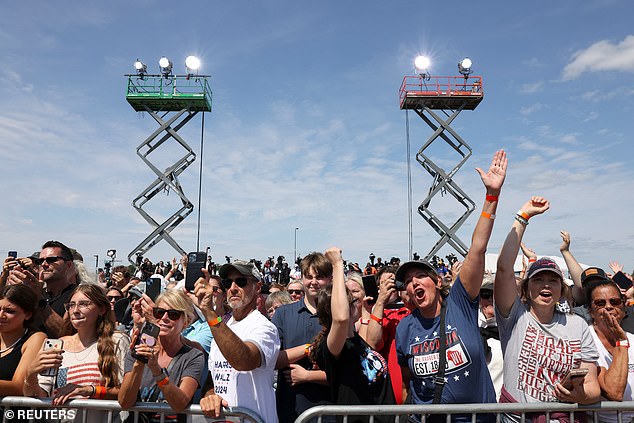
(451, 259)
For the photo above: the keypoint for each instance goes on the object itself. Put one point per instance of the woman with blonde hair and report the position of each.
(170, 370)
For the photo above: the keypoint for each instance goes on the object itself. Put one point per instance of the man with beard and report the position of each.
(244, 349)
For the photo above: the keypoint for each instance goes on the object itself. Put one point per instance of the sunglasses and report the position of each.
(172, 314)
(241, 282)
(614, 302)
(295, 291)
(486, 294)
(49, 260)
(113, 297)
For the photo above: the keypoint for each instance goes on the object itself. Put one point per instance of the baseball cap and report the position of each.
(416, 264)
(542, 265)
(245, 268)
(593, 273)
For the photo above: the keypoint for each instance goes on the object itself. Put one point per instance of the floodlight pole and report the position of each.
(172, 101)
(449, 95)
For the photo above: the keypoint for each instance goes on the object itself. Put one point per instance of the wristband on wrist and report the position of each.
(523, 214)
(491, 198)
(307, 350)
(623, 343)
(521, 220)
(161, 383)
(100, 392)
(214, 322)
(532, 260)
(376, 319)
(488, 215)
(365, 321)
(92, 395)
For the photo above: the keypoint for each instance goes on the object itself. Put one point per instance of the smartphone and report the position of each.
(148, 336)
(195, 262)
(13, 254)
(153, 288)
(622, 281)
(574, 374)
(51, 344)
(371, 290)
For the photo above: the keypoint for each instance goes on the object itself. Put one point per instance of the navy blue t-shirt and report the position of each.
(467, 378)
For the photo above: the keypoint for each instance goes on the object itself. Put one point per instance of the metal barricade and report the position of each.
(400, 412)
(41, 409)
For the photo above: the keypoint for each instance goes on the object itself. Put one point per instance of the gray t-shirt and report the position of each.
(537, 356)
(187, 362)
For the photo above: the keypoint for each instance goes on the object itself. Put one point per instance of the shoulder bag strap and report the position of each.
(442, 354)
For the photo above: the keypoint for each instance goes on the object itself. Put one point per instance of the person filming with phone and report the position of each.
(160, 366)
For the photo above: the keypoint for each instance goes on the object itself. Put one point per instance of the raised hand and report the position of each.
(530, 254)
(616, 267)
(493, 179)
(536, 205)
(565, 241)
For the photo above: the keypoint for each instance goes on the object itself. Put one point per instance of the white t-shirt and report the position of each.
(250, 389)
(605, 359)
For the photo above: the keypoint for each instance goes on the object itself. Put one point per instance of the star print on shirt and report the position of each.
(435, 333)
(417, 339)
(466, 373)
(456, 378)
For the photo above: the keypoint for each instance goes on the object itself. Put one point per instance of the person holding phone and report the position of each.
(616, 378)
(531, 326)
(92, 353)
(167, 368)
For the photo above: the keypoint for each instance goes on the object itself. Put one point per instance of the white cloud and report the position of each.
(531, 88)
(602, 56)
(534, 108)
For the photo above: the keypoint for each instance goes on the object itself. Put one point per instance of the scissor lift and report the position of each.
(172, 102)
(449, 95)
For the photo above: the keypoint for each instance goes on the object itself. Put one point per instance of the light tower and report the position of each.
(172, 101)
(438, 100)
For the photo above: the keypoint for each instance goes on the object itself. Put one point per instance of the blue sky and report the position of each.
(306, 129)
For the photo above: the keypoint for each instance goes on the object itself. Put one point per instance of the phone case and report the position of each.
(52, 344)
(149, 335)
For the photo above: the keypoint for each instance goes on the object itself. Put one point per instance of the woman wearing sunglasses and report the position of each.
(173, 369)
(90, 364)
(541, 344)
(607, 309)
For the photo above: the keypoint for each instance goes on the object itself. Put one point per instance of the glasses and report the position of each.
(614, 302)
(82, 305)
(241, 282)
(112, 298)
(486, 294)
(49, 260)
(172, 314)
(295, 291)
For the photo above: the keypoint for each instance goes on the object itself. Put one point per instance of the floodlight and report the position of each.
(192, 63)
(166, 66)
(421, 63)
(111, 253)
(141, 68)
(464, 67)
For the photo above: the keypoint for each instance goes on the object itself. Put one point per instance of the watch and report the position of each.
(623, 343)
(161, 375)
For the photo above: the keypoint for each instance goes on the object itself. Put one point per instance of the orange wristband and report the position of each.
(163, 382)
(491, 198)
(214, 322)
(523, 214)
(307, 350)
(100, 392)
(532, 260)
(488, 215)
(376, 319)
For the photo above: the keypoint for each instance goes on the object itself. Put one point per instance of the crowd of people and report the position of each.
(279, 339)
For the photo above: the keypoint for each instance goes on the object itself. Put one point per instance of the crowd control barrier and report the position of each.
(402, 411)
(41, 410)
